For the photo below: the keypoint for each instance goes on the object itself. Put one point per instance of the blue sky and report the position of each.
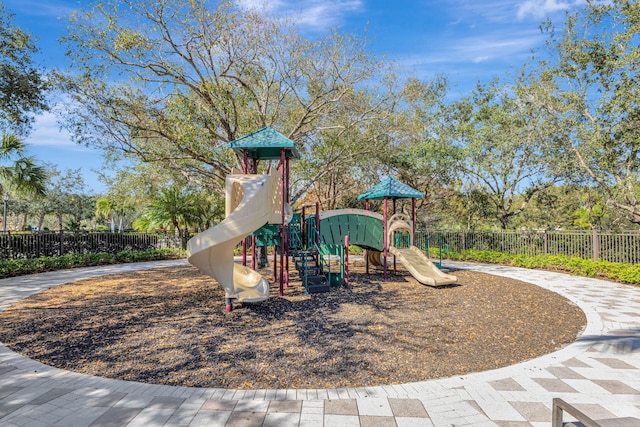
(468, 40)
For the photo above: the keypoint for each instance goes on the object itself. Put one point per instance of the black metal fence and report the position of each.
(614, 246)
(35, 245)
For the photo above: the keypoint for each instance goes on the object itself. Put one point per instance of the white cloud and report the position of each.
(268, 6)
(541, 8)
(47, 133)
(496, 11)
(40, 8)
(488, 47)
(316, 14)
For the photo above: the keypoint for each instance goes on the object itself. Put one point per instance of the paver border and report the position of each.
(608, 349)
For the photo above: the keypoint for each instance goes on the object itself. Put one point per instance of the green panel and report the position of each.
(353, 224)
(375, 236)
(336, 280)
(361, 233)
(268, 235)
(326, 230)
(339, 230)
(362, 230)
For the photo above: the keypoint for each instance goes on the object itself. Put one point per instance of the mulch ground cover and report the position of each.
(169, 326)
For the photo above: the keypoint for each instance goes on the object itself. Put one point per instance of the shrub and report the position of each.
(20, 267)
(626, 273)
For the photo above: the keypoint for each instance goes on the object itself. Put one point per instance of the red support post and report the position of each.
(245, 166)
(303, 231)
(366, 252)
(245, 161)
(395, 270)
(346, 261)
(282, 196)
(413, 220)
(275, 264)
(287, 234)
(254, 169)
(384, 238)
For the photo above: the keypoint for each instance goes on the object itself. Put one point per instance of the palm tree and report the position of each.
(19, 173)
(175, 208)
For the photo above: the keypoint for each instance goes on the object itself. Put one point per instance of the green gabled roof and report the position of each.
(265, 144)
(391, 188)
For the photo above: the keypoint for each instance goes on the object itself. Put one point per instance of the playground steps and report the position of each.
(310, 272)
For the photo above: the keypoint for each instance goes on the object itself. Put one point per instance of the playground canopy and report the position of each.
(265, 144)
(391, 189)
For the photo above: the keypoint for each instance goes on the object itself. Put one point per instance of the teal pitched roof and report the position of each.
(265, 144)
(391, 188)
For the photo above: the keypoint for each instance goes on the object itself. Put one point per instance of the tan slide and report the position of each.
(251, 202)
(414, 260)
(423, 270)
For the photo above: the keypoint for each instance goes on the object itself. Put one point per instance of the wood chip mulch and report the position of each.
(169, 326)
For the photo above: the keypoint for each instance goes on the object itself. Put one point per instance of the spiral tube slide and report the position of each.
(252, 201)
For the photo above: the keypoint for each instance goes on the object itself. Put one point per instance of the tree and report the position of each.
(22, 85)
(63, 196)
(419, 155)
(107, 208)
(504, 144)
(597, 66)
(20, 173)
(173, 208)
(171, 82)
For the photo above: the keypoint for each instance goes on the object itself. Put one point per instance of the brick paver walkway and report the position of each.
(599, 374)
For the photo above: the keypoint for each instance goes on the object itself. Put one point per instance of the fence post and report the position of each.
(546, 243)
(463, 242)
(61, 242)
(595, 244)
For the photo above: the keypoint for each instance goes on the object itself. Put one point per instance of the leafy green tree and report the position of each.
(20, 174)
(115, 214)
(468, 208)
(597, 67)
(171, 82)
(504, 144)
(419, 154)
(173, 208)
(22, 85)
(64, 197)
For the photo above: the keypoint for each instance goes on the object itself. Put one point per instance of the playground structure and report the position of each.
(257, 207)
(367, 229)
(252, 201)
